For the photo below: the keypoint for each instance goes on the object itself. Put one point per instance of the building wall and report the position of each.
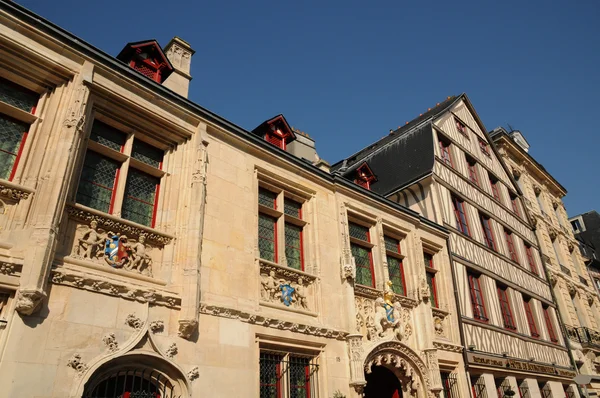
(202, 303)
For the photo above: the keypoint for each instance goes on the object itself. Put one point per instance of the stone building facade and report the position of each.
(149, 246)
(573, 288)
(444, 165)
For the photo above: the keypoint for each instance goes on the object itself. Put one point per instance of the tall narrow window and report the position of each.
(495, 189)
(530, 259)
(14, 128)
(445, 152)
(267, 225)
(477, 301)
(294, 240)
(360, 244)
(450, 385)
(141, 197)
(488, 234)
(530, 319)
(461, 215)
(395, 267)
(538, 197)
(515, 205)
(485, 148)
(510, 243)
(364, 176)
(549, 324)
(97, 182)
(507, 315)
(556, 247)
(461, 127)
(431, 271)
(472, 166)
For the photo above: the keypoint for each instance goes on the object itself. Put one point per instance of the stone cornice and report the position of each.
(447, 346)
(12, 191)
(117, 225)
(265, 321)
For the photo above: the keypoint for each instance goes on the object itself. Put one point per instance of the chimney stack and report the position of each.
(179, 54)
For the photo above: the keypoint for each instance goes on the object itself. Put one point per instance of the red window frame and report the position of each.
(477, 300)
(445, 153)
(488, 232)
(370, 250)
(460, 126)
(515, 205)
(510, 243)
(301, 248)
(276, 139)
(396, 255)
(495, 192)
(154, 204)
(549, 325)
(485, 148)
(20, 150)
(530, 319)
(428, 258)
(530, 259)
(472, 166)
(462, 222)
(505, 309)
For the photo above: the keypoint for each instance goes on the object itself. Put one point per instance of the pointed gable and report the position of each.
(147, 58)
(364, 176)
(276, 130)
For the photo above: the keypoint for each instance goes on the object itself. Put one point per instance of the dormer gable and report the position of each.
(364, 176)
(147, 58)
(277, 131)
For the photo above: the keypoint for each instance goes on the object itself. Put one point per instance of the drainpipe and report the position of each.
(459, 316)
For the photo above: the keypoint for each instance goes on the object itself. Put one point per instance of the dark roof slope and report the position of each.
(363, 153)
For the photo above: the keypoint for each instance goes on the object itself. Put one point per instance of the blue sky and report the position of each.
(347, 72)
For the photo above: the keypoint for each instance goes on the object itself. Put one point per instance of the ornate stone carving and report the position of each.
(91, 243)
(447, 347)
(570, 245)
(571, 288)
(434, 369)
(272, 323)
(356, 353)
(193, 374)
(516, 172)
(76, 363)
(590, 298)
(134, 322)
(438, 326)
(110, 341)
(76, 112)
(382, 318)
(125, 290)
(348, 265)
(171, 351)
(552, 278)
(156, 326)
(285, 285)
(28, 301)
(13, 192)
(537, 189)
(424, 292)
(7, 268)
(187, 327)
(552, 232)
(119, 227)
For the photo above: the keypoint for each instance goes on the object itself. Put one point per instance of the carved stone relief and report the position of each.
(171, 351)
(28, 301)
(134, 322)
(13, 193)
(285, 286)
(193, 374)
(157, 326)
(381, 318)
(7, 268)
(76, 363)
(424, 292)
(110, 341)
(348, 265)
(187, 327)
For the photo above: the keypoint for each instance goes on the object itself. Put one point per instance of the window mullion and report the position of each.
(119, 189)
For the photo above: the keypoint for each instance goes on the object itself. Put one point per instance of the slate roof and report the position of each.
(407, 151)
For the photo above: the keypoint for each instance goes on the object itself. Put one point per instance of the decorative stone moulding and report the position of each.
(156, 326)
(193, 374)
(95, 283)
(286, 286)
(76, 363)
(447, 347)
(134, 322)
(552, 232)
(117, 225)
(369, 292)
(10, 269)
(516, 172)
(272, 323)
(13, 191)
(537, 189)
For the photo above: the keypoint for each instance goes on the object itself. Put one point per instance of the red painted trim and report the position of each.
(19, 153)
(475, 303)
(508, 318)
(530, 319)
(301, 240)
(446, 154)
(549, 326)
(473, 172)
(307, 384)
(530, 259)
(371, 260)
(155, 206)
(435, 295)
(486, 224)
(278, 382)
(512, 251)
(276, 255)
(114, 190)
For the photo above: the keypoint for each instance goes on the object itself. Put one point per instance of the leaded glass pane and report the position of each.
(292, 208)
(293, 246)
(395, 272)
(431, 284)
(266, 237)
(11, 135)
(269, 375)
(362, 258)
(140, 195)
(266, 198)
(299, 377)
(392, 244)
(107, 136)
(17, 96)
(97, 181)
(147, 153)
(359, 232)
(428, 260)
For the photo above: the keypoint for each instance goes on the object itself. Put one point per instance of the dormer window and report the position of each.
(147, 58)
(276, 131)
(364, 176)
(276, 137)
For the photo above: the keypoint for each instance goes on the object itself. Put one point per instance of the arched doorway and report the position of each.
(382, 383)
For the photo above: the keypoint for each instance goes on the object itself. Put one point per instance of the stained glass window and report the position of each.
(147, 153)
(293, 246)
(140, 197)
(266, 198)
(17, 96)
(267, 241)
(292, 208)
(395, 266)
(428, 260)
(359, 232)
(97, 181)
(362, 255)
(107, 136)
(11, 137)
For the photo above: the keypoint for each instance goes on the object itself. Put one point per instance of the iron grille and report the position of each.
(17, 96)
(392, 244)
(147, 153)
(133, 383)
(479, 388)
(284, 375)
(450, 385)
(504, 388)
(11, 135)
